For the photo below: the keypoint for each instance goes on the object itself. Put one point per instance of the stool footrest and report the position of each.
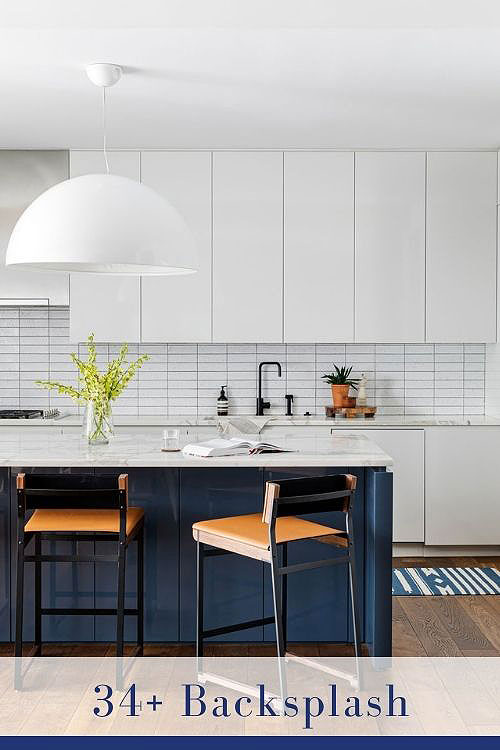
(84, 611)
(313, 564)
(71, 558)
(239, 626)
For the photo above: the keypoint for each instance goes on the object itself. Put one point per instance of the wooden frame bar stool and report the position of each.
(77, 507)
(260, 536)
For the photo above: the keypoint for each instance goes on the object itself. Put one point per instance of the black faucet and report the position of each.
(289, 401)
(261, 404)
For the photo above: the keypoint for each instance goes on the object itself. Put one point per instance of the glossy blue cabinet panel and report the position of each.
(236, 588)
(233, 584)
(359, 552)
(63, 584)
(378, 561)
(317, 599)
(157, 492)
(5, 546)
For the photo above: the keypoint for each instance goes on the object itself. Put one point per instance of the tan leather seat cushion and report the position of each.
(82, 520)
(251, 530)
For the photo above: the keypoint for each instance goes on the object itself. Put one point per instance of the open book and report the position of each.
(229, 447)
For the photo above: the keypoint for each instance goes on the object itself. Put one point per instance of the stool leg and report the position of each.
(19, 594)
(353, 586)
(38, 596)
(140, 591)
(199, 605)
(284, 595)
(278, 619)
(120, 600)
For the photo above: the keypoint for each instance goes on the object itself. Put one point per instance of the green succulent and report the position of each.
(340, 376)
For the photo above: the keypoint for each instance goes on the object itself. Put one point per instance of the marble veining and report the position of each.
(50, 448)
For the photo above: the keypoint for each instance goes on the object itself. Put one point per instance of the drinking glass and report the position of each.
(170, 440)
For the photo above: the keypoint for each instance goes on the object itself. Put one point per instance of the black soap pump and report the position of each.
(222, 403)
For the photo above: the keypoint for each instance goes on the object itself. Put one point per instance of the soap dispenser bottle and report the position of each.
(222, 403)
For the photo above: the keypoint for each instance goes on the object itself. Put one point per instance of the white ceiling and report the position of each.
(273, 74)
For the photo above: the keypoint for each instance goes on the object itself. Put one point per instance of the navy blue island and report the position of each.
(175, 491)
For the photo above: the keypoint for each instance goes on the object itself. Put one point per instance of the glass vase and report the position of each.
(98, 423)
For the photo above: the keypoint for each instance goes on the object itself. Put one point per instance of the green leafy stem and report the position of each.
(99, 388)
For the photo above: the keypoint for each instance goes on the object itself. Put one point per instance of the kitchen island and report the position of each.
(176, 490)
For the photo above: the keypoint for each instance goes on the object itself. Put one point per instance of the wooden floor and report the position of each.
(446, 625)
(422, 626)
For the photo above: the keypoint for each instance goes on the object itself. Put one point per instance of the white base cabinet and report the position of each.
(462, 491)
(406, 447)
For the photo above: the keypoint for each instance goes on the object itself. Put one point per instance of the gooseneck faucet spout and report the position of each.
(261, 404)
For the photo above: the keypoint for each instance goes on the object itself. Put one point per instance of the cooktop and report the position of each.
(21, 413)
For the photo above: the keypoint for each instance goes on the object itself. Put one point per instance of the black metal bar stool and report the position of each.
(260, 536)
(77, 507)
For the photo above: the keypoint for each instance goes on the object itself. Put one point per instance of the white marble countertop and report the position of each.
(49, 448)
(458, 420)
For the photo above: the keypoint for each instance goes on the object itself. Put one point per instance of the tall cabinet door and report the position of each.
(390, 247)
(179, 308)
(461, 246)
(24, 175)
(319, 246)
(248, 246)
(108, 306)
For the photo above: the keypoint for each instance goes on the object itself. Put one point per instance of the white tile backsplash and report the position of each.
(185, 379)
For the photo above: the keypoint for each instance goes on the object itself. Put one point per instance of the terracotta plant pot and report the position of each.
(339, 394)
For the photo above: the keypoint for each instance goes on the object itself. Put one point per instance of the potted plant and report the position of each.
(340, 382)
(98, 390)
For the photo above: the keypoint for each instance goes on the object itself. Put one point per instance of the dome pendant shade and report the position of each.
(102, 223)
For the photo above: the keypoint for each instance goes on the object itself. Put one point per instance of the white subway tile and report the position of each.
(185, 378)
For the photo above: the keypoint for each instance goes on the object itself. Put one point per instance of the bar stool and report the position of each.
(260, 535)
(77, 508)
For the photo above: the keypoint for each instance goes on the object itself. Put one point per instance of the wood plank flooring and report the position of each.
(446, 625)
(422, 625)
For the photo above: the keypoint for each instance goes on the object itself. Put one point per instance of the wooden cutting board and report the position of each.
(351, 412)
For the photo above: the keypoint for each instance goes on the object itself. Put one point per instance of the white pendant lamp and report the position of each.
(102, 223)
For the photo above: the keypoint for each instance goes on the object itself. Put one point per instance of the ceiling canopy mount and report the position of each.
(104, 74)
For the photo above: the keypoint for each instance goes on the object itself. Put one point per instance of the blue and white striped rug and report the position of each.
(445, 581)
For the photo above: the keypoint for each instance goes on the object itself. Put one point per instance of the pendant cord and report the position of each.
(104, 129)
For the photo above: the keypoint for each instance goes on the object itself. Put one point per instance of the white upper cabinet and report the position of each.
(123, 163)
(24, 175)
(319, 247)
(247, 246)
(461, 246)
(108, 306)
(179, 308)
(390, 247)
